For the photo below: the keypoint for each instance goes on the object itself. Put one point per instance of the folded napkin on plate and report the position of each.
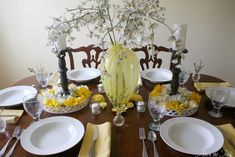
(11, 116)
(103, 143)
(229, 130)
(202, 86)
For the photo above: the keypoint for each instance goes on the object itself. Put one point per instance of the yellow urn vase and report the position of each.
(119, 74)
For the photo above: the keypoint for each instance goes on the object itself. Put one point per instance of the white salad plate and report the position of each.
(191, 136)
(52, 135)
(13, 96)
(83, 75)
(231, 98)
(157, 75)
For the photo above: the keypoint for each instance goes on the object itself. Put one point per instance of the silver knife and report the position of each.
(94, 138)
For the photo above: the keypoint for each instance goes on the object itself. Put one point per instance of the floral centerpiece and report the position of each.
(183, 104)
(54, 102)
(127, 24)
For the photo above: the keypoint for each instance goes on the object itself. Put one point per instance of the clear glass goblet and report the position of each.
(42, 78)
(157, 112)
(219, 97)
(183, 77)
(32, 106)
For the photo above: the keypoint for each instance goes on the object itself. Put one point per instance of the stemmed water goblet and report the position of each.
(157, 112)
(33, 106)
(42, 77)
(219, 97)
(183, 77)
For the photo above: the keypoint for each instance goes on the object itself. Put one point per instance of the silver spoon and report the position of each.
(153, 137)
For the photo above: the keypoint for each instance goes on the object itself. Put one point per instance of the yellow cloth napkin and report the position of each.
(202, 86)
(54, 79)
(230, 132)
(103, 143)
(11, 116)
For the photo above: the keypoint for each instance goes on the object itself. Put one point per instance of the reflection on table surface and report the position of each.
(124, 140)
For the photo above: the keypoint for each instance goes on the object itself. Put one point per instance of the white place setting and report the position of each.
(157, 75)
(83, 75)
(52, 135)
(13, 96)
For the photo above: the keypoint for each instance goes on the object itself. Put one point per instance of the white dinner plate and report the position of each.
(52, 135)
(83, 75)
(13, 96)
(157, 75)
(231, 98)
(191, 136)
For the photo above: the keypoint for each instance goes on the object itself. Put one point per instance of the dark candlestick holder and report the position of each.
(176, 71)
(63, 71)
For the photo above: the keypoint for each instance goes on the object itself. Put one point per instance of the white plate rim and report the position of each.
(173, 121)
(31, 89)
(70, 72)
(207, 92)
(25, 137)
(144, 72)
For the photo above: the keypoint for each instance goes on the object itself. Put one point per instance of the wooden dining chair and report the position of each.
(151, 61)
(93, 56)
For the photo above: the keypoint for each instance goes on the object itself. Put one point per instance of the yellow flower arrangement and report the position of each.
(181, 103)
(99, 98)
(53, 98)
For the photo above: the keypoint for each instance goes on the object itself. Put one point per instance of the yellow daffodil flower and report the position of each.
(83, 91)
(103, 104)
(195, 97)
(51, 102)
(97, 98)
(130, 105)
(158, 89)
(136, 97)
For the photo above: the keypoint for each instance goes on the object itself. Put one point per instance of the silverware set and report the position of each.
(152, 137)
(16, 134)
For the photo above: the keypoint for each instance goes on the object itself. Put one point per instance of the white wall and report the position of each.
(210, 36)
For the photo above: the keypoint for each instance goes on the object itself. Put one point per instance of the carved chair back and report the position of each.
(93, 56)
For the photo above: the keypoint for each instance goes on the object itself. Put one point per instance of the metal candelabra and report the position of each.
(176, 71)
(63, 70)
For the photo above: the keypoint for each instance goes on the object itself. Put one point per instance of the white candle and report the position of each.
(180, 31)
(61, 42)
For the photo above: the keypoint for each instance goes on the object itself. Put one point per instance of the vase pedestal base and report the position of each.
(118, 120)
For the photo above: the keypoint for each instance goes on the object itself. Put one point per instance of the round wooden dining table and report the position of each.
(125, 140)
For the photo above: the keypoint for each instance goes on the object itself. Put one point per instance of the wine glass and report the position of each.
(157, 112)
(32, 106)
(183, 77)
(42, 77)
(219, 97)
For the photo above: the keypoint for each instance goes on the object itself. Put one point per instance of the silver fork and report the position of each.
(142, 136)
(14, 135)
(13, 147)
